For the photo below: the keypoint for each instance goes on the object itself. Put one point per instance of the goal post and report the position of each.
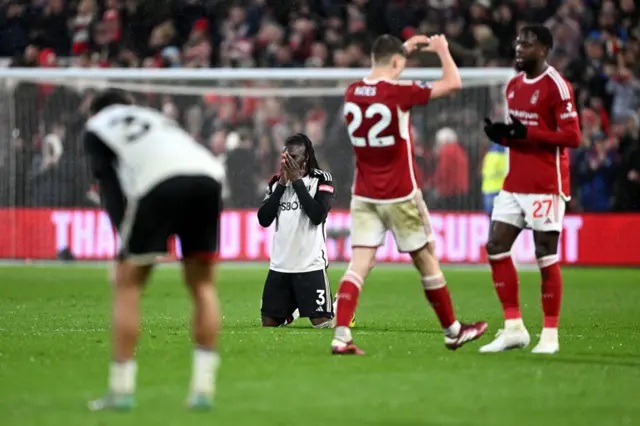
(241, 114)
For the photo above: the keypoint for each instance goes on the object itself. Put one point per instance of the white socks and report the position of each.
(122, 377)
(343, 334)
(514, 324)
(205, 370)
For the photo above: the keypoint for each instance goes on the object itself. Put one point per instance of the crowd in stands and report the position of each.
(597, 46)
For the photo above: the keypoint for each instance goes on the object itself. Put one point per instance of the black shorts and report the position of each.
(309, 292)
(185, 206)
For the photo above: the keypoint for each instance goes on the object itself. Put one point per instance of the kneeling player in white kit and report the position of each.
(386, 196)
(155, 181)
(298, 200)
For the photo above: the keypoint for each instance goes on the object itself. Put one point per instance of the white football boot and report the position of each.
(513, 336)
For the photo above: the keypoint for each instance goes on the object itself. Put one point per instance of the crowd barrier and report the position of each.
(588, 239)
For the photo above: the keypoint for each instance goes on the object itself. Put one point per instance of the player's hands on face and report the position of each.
(283, 172)
(437, 44)
(292, 168)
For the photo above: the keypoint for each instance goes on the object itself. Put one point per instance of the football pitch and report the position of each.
(54, 352)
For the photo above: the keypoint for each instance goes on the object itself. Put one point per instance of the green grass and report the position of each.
(54, 350)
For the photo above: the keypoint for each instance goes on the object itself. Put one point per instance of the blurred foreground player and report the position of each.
(386, 195)
(155, 181)
(544, 124)
(298, 200)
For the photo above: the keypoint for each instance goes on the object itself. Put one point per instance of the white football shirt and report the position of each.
(298, 244)
(150, 148)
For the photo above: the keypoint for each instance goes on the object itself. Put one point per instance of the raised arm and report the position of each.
(450, 81)
(411, 94)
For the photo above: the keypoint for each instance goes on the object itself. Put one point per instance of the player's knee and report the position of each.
(357, 271)
(544, 251)
(362, 261)
(198, 273)
(494, 247)
(425, 260)
(271, 322)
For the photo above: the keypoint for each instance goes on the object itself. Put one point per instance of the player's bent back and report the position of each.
(156, 182)
(152, 145)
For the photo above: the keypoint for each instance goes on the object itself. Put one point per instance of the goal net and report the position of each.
(48, 206)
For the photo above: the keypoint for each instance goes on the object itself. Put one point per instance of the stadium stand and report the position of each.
(597, 46)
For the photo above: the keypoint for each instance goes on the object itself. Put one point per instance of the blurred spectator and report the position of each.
(197, 49)
(241, 161)
(218, 146)
(597, 44)
(627, 129)
(494, 170)
(595, 166)
(450, 182)
(625, 90)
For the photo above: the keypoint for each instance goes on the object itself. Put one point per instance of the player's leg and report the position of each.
(437, 293)
(367, 234)
(199, 275)
(507, 221)
(197, 228)
(127, 288)
(312, 293)
(335, 308)
(277, 299)
(546, 222)
(144, 235)
(410, 224)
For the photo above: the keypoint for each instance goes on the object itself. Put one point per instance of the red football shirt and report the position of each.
(545, 104)
(377, 113)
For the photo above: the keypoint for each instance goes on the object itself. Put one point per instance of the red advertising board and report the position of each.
(460, 237)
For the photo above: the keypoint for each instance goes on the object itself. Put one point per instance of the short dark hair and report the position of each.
(300, 139)
(542, 33)
(110, 97)
(385, 46)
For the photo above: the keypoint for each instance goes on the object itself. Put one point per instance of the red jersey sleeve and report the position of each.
(412, 93)
(566, 117)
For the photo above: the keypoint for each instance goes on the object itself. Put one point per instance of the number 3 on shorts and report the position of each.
(321, 300)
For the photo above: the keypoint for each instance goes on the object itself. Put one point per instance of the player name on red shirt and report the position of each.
(545, 104)
(377, 113)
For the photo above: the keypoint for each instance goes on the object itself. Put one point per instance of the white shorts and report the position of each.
(540, 212)
(408, 221)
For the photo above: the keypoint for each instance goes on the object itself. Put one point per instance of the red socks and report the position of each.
(505, 279)
(438, 295)
(347, 296)
(551, 290)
